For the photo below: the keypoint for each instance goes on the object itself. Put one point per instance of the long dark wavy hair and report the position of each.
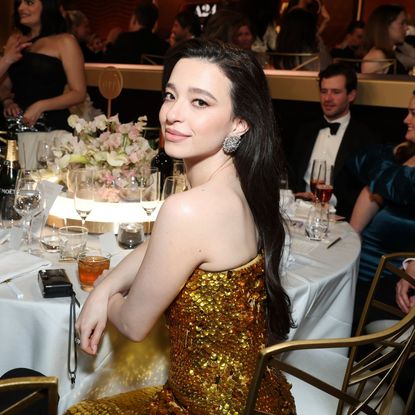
(298, 34)
(377, 28)
(257, 160)
(51, 19)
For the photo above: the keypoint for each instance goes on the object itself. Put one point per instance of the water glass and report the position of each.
(72, 242)
(49, 238)
(130, 235)
(317, 223)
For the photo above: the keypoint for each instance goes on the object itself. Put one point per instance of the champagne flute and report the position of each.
(29, 200)
(149, 196)
(318, 174)
(172, 185)
(84, 192)
(324, 189)
(44, 154)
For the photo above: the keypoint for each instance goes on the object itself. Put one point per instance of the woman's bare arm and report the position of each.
(365, 208)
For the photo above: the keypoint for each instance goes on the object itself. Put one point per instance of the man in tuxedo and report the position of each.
(336, 137)
(130, 46)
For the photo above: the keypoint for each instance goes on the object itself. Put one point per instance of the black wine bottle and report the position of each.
(8, 176)
(163, 163)
(10, 167)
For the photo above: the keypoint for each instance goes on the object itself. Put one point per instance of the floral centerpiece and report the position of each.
(117, 151)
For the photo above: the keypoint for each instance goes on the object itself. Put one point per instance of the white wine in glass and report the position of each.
(84, 192)
(150, 195)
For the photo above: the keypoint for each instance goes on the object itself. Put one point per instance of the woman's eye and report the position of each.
(200, 103)
(168, 96)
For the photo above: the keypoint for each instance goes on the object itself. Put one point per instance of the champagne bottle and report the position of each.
(10, 167)
(163, 163)
(8, 176)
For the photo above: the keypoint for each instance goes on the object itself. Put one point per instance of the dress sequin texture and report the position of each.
(216, 328)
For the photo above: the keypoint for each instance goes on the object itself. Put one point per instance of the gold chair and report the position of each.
(148, 59)
(38, 387)
(326, 382)
(304, 59)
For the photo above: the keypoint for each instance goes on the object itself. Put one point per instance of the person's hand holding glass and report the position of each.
(29, 200)
(84, 192)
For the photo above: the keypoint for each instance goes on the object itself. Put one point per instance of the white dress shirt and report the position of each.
(327, 146)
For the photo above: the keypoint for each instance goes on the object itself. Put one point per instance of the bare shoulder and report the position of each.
(374, 53)
(67, 39)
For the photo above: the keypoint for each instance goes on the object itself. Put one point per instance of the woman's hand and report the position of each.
(13, 48)
(92, 321)
(32, 113)
(405, 297)
(11, 109)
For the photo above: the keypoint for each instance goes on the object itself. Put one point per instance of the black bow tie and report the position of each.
(334, 126)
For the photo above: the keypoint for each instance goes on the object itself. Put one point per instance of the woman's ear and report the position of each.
(240, 127)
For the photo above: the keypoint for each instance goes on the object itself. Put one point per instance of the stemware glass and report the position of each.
(84, 192)
(44, 154)
(324, 189)
(172, 185)
(150, 195)
(29, 200)
(318, 174)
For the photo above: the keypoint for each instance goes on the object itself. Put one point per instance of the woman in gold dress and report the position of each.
(212, 262)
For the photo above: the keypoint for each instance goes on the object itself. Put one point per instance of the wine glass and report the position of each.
(172, 185)
(318, 174)
(150, 195)
(84, 192)
(324, 189)
(44, 154)
(29, 200)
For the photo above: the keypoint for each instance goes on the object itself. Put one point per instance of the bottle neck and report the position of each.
(161, 143)
(12, 153)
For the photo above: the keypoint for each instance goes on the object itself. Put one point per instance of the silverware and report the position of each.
(334, 242)
(16, 291)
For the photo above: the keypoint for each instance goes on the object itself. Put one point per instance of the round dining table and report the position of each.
(318, 277)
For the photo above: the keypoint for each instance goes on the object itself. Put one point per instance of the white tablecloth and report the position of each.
(34, 330)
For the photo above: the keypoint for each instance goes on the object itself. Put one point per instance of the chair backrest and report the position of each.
(148, 59)
(302, 59)
(110, 84)
(37, 388)
(386, 268)
(357, 63)
(378, 368)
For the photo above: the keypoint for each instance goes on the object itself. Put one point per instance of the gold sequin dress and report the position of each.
(216, 328)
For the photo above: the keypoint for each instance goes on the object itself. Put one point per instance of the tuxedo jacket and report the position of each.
(346, 187)
(129, 47)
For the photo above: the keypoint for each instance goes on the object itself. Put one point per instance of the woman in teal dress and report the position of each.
(212, 262)
(384, 213)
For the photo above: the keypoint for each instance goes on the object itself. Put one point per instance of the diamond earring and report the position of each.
(231, 143)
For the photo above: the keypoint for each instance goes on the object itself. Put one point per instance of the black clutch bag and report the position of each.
(54, 283)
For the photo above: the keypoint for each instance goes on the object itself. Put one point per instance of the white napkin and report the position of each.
(14, 264)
